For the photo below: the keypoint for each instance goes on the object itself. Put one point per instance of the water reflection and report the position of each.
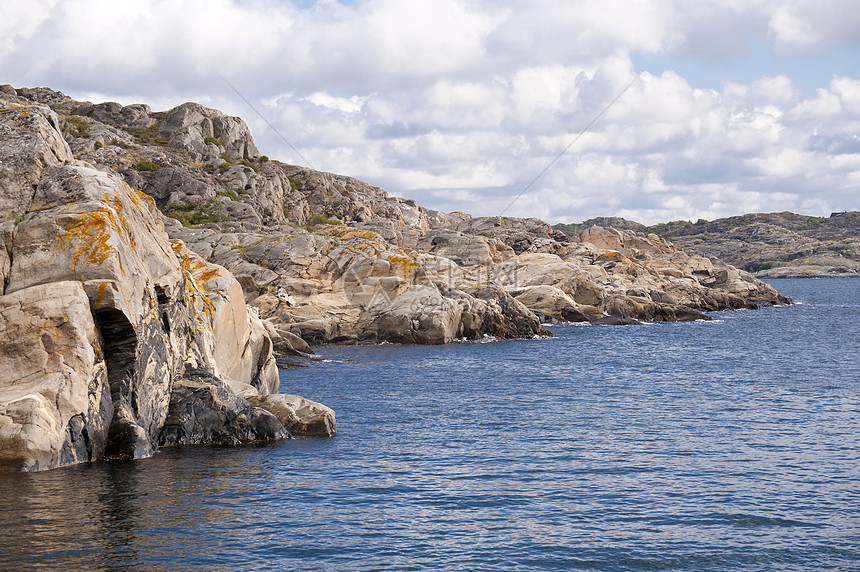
(133, 514)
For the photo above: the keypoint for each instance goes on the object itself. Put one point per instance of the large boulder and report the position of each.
(204, 410)
(301, 417)
(106, 323)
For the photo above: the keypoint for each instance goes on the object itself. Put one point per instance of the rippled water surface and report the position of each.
(722, 445)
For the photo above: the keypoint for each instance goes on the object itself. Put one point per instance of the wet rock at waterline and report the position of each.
(301, 417)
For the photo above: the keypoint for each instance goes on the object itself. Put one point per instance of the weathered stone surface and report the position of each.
(30, 142)
(769, 244)
(189, 125)
(301, 417)
(55, 404)
(204, 410)
(103, 318)
(551, 304)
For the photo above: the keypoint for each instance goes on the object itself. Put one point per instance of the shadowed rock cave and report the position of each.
(119, 343)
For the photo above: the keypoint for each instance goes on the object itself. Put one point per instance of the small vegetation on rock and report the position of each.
(228, 193)
(249, 164)
(316, 220)
(97, 145)
(146, 166)
(77, 127)
(225, 166)
(213, 141)
(150, 134)
(195, 215)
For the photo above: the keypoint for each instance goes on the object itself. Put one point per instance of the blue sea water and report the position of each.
(718, 445)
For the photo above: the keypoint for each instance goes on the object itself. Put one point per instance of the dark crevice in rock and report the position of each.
(119, 342)
(126, 439)
(77, 447)
(163, 307)
(8, 244)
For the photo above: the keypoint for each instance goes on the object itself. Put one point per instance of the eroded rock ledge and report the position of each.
(114, 339)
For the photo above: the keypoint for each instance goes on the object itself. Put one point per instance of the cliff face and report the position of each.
(105, 322)
(770, 245)
(329, 258)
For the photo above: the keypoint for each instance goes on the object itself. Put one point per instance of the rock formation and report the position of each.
(330, 258)
(106, 325)
(770, 245)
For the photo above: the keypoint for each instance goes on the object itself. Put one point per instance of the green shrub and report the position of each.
(18, 220)
(213, 141)
(263, 159)
(196, 215)
(150, 134)
(228, 193)
(97, 145)
(77, 127)
(293, 185)
(146, 166)
(249, 164)
(317, 219)
(225, 166)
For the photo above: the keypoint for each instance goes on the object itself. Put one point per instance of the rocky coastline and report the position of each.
(156, 264)
(769, 245)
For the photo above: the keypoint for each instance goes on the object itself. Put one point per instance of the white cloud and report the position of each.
(798, 25)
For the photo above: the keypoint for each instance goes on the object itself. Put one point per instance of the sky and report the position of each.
(653, 110)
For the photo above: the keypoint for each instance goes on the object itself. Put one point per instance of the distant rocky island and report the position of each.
(156, 266)
(774, 245)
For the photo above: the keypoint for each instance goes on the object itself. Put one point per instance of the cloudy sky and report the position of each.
(733, 106)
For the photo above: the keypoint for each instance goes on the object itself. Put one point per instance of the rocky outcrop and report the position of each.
(55, 405)
(108, 327)
(769, 245)
(204, 410)
(328, 258)
(299, 415)
(183, 260)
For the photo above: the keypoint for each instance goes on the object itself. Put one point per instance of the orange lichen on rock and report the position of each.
(404, 265)
(195, 290)
(100, 297)
(208, 275)
(94, 236)
(609, 256)
(346, 233)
